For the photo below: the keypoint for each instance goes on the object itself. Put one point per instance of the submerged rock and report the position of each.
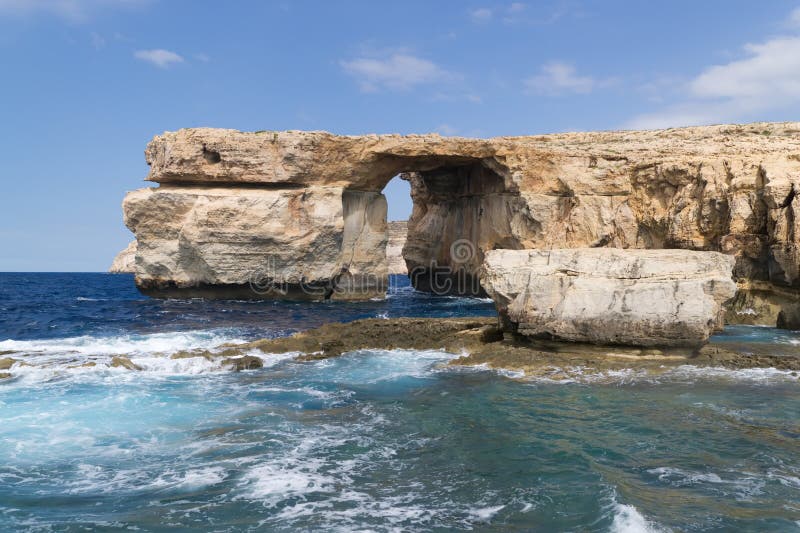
(611, 296)
(247, 362)
(4, 375)
(7, 362)
(120, 361)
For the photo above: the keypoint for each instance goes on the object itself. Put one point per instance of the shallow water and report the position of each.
(373, 440)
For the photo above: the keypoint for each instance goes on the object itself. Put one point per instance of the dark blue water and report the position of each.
(49, 306)
(371, 441)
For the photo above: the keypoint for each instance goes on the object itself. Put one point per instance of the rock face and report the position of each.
(125, 261)
(309, 243)
(611, 296)
(310, 203)
(396, 233)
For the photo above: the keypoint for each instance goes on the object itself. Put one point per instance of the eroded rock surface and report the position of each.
(397, 231)
(611, 296)
(480, 341)
(125, 261)
(308, 243)
(730, 189)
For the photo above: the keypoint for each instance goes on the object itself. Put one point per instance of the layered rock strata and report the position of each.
(306, 243)
(611, 296)
(230, 201)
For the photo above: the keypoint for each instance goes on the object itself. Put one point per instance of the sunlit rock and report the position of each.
(611, 296)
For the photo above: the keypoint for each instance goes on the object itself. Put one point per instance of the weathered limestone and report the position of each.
(308, 243)
(611, 296)
(718, 188)
(125, 261)
(396, 235)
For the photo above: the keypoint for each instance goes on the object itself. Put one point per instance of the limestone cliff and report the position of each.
(611, 296)
(309, 203)
(125, 261)
(397, 232)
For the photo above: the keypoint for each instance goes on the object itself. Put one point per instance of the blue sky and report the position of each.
(86, 83)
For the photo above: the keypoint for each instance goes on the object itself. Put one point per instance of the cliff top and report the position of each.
(367, 162)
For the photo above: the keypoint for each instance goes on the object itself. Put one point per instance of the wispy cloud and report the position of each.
(481, 15)
(514, 12)
(794, 18)
(507, 13)
(72, 10)
(159, 57)
(521, 13)
(556, 78)
(397, 72)
(446, 129)
(766, 79)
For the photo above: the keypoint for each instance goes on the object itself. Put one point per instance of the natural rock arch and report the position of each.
(308, 206)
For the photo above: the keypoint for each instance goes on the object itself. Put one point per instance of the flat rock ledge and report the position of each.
(606, 296)
(481, 342)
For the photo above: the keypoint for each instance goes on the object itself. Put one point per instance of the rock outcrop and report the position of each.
(306, 243)
(397, 231)
(611, 296)
(125, 261)
(479, 341)
(310, 204)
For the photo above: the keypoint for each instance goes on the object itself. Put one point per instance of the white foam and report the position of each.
(765, 375)
(741, 485)
(93, 478)
(485, 514)
(273, 484)
(681, 374)
(627, 519)
(124, 344)
(683, 477)
(43, 360)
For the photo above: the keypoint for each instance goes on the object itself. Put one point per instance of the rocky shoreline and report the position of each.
(476, 341)
(481, 342)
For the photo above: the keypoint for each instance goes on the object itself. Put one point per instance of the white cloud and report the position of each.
(766, 80)
(557, 78)
(446, 129)
(73, 10)
(158, 57)
(480, 15)
(398, 71)
(794, 18)
(509, 14)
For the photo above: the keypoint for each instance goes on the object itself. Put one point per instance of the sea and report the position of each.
(373, 440)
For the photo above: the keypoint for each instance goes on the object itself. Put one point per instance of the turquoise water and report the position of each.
(373, 440)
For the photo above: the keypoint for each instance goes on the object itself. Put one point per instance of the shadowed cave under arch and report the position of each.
(461, 207)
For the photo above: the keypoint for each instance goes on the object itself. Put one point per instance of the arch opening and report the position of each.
(458, 209)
